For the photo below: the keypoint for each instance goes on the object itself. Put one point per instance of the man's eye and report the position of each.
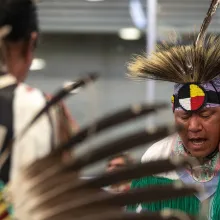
(184, 117)
(205, 115)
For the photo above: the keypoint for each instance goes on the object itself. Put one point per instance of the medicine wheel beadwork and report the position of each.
(191, 97)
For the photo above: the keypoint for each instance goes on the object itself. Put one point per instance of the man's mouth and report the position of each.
(197, 141)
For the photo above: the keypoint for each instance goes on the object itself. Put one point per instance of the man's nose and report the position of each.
(194, 124)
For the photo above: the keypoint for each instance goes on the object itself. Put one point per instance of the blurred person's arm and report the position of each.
(66, 125)
(50, 130)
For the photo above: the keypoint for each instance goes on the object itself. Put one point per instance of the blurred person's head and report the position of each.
(17, 47)
(119, 161)
(115, 163)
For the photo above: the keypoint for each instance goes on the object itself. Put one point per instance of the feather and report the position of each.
(4, 31)
(179, 64)
(196, 63)
(108, 121)
(61, 163)
(66, 184)
(212, 9)
(54, 190)
(115, 119)
(166, 214)
(55, 209)
(85, 200)
(58, 96)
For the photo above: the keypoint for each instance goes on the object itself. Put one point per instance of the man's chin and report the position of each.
(197, 150)
(199, 153)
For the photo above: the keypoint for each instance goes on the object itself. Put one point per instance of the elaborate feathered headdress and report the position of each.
(197, 66)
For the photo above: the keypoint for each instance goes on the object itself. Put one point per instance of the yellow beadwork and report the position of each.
(196, 91)
(172, 99)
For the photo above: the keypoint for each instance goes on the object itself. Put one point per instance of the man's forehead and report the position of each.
(205, 109)
(117, 159)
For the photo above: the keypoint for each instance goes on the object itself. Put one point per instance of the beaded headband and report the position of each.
(194, 96)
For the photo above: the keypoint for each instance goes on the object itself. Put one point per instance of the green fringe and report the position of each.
(189, 204)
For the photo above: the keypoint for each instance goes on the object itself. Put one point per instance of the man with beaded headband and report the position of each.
(195, 70)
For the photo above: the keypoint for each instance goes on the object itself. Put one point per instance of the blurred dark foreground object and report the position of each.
(50, 188)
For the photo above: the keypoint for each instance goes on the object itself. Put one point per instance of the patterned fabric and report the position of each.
(203, 173)
(5, 208)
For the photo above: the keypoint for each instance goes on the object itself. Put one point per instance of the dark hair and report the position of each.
(21, 15)
(126, 157)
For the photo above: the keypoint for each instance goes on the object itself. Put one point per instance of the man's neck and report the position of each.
(208, 157)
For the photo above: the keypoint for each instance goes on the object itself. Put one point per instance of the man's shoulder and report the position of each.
(28, 90)
(29, 96)
(159, 150)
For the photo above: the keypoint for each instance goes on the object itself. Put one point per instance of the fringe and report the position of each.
(189, 204)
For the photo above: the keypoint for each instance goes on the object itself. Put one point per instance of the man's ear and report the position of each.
(28, 47)
(34, 37)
